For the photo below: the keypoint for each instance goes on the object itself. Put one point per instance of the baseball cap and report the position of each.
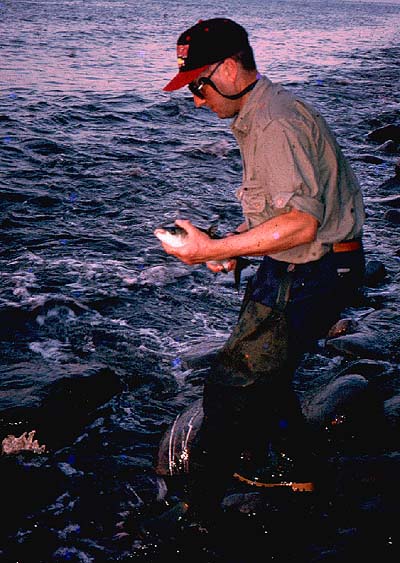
(207, 42)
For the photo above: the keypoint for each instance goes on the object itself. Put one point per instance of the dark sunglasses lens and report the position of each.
(194, 88)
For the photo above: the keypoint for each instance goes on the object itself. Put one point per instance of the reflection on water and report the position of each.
(121, 46)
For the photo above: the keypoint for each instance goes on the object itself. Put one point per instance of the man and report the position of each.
(304, 214)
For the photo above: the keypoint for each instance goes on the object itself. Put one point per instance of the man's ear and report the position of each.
(230, 69)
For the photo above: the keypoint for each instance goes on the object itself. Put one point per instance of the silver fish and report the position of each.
(175, 236)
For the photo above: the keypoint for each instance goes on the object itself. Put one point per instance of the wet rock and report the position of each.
(390, 201)
(341, 396)
(371, 159)
(388, 147)
(357, 344)
(28, 482)
(393, 184)
(362, 479)
(57, 410)
(201, 354)
(343, 326)
(385, 133)
(393, 216)
(392, 410)
(378, 337)
(375, 273)
(246, 502)
(370, 369)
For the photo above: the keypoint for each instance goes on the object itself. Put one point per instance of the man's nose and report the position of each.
(198, 102)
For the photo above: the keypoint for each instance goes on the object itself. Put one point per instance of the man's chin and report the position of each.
(226, 115)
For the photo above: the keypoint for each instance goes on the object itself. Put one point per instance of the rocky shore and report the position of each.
(353, 407)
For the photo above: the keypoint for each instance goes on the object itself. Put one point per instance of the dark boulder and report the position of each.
(393, 216)
(339, 397)
(377, 337)
(375, 273)
(385, 133)
(65, 400)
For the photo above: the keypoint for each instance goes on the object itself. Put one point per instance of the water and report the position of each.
(94, 155)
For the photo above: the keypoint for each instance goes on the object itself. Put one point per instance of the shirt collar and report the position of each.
(241, 121)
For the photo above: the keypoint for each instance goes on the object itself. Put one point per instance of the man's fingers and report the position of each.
(221, 266)
(230, 265)
(215, 267)
(185, 224)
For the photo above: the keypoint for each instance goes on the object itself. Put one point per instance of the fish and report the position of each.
(175, 236)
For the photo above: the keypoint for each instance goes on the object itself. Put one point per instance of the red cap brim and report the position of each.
(184, 78)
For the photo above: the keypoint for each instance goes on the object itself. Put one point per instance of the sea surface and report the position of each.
(93, 156)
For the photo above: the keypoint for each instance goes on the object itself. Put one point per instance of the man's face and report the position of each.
(223, 107)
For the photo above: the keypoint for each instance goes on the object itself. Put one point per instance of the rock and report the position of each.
(392, 410)
(391, 201)
(28, 483)
(370, 158)
(245, 502)
(378, 337)
(339, 397)
(370, 369)
(201, 354)
(357, 345)
(393, 184)
(64, 400)
(385, 133)
(375, 273)
(388, 147)
(393, 216)
(343, 326)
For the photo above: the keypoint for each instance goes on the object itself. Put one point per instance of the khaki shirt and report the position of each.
(291, 160)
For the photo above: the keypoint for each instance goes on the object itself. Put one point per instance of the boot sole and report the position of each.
(307, 487)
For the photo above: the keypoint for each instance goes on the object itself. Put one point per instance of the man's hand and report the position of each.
(224, 266)
(230, 263)
(197, 245)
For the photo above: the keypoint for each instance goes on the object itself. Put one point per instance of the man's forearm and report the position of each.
(275, 235)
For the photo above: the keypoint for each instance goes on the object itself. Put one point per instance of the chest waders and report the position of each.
(250, 376)
(258, 347)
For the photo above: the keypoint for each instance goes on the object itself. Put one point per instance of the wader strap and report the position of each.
(284, 288)
(283, 294)
(247, 295)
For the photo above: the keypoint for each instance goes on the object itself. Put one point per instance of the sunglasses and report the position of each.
(197, 85)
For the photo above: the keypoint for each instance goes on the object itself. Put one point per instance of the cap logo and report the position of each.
(182, 53)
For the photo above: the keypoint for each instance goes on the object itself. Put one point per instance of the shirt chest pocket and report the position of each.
(252, 197)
